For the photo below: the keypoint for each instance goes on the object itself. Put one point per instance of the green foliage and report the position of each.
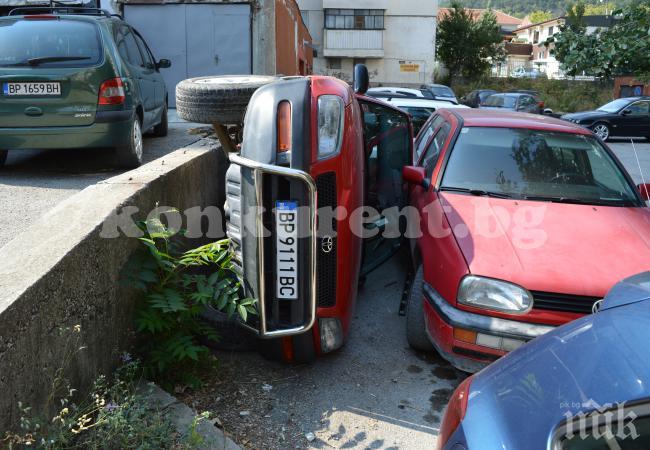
(521, 8)
(113, 416)
(540, 16)
(560, 95)
(177, 286)
(468, 47)
(623, 49)
(575, 17)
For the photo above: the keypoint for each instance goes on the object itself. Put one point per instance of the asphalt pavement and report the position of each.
(34, 181)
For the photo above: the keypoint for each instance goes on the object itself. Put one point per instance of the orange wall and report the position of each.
(293, 56)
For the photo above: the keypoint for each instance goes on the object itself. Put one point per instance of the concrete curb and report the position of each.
(183, 417)
(60, 273)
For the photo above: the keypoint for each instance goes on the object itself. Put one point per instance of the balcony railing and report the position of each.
(354, 43)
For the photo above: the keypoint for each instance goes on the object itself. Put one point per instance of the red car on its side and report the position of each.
(525, 223)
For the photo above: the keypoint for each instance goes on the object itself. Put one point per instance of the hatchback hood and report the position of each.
(550, 247)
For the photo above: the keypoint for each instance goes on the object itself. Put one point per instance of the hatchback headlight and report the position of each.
(497, 295)
(330, 125)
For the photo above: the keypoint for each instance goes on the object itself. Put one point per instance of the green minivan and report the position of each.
(78, 78)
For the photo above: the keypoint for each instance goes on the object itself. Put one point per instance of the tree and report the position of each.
(540, 16)
(468, 46)
(575, 16)
(623, 49)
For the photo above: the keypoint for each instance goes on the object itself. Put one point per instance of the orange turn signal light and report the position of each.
(465, 335)
(284, 127)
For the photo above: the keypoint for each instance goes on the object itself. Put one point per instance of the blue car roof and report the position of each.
(597, 360)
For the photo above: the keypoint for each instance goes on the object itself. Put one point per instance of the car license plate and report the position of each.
(286, 230)
(32, 89)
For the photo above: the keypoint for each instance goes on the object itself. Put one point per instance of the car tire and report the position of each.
(3, 157)
(130, 155)
(416, 333)
(162, 128)
(218, 99)
(601, 130)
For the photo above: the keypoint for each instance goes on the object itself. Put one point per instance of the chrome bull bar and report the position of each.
(259, 170)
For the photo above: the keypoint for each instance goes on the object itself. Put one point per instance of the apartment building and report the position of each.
(394, 38)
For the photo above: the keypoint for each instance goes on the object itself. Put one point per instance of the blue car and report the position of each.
(585, 385)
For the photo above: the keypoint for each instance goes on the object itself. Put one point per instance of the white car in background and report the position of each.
(408, 92)
(420, 108)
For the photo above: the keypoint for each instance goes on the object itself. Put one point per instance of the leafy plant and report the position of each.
(468, 46)
(177, 287)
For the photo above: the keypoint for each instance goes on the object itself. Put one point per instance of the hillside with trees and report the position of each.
(521, 8)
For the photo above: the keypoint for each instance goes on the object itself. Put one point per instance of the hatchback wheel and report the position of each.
(3, 157)
(130, 155)
(416, 333)
(601, 130)
(162, 128)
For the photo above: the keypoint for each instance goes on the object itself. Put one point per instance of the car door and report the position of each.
(388, 139)
(152, 74)
(130, 51)
(636, 119)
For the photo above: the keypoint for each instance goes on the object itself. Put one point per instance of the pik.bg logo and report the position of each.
(606, 423)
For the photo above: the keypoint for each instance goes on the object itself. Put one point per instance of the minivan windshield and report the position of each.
(536, 165)
(46, 43)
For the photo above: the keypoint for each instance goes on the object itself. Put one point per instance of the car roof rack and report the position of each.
(59, 10)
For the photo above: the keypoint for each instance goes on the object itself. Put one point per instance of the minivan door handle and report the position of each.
(33, 111)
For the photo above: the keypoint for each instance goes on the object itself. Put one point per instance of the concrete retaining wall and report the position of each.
(61, 273)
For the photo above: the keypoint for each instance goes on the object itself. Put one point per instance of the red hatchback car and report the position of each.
(525, 223)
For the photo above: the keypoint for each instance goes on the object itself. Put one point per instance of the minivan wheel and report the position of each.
(416, 333)
(217, 99)
(3, 157)
(162, 128)
(601, 130)
(130, 155)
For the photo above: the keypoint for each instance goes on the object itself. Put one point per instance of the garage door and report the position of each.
(199, 39)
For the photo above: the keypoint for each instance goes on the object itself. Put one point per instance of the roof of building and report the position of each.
(502, 18)
(590, 21)
(530, 25)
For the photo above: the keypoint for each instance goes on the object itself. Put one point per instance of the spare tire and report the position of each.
(218, 99)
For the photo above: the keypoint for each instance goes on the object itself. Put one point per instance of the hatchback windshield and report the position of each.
(442, 91)
(614, 106)
(536, 165)
(501, 101)
(48, 43)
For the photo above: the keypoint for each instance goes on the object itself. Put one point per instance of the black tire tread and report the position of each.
(216, 102)
(416, 333)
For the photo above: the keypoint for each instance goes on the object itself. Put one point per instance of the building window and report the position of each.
(550, 31)
(354, 19)
(536, 37)
(334, 63)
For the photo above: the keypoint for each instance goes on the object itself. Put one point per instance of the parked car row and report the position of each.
(528, 101)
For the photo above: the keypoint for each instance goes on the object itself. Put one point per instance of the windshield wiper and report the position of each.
(476, 192)
(48, 59)
(581, 201)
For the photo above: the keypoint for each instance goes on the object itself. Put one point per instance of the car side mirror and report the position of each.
(164, 64)
(644, 189)
(361, 79)
(416, 176)
(625, 112)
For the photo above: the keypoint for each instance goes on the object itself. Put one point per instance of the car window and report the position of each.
(501, 101)
(639, 108)
(57, 43)
(128, 47)
(433, 151)
(423, 137)
(523, 162)
(614, 106)
(407, 93)
(442, 91)
(419, 116)
(144, 50)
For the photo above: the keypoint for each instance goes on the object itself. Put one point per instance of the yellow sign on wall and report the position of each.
(409, 67)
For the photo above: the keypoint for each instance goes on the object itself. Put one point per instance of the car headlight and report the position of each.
(497, 295)
(330, 125)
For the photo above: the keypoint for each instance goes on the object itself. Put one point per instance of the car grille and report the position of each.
(326, 262)
(562, 302)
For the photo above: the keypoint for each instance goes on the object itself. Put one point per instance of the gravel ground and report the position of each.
(34, 181)
(374, 393)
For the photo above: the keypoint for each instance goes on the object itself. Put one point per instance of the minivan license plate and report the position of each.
(32, 89)
(286, 231)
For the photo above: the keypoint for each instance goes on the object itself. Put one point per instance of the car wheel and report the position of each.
(162, 128)
(3, 157)
(601, 130)
(416, 333)
(130, 155)
(218, 99)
